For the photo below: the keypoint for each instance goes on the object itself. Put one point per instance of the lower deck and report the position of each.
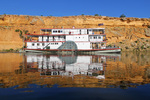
(67, 45)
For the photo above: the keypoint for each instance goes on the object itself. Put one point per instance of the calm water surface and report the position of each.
(33, 76)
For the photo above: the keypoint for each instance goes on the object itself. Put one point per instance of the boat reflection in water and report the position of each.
(69, 65)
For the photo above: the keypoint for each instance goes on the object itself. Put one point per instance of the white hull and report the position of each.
(84, 51)
(109, 51)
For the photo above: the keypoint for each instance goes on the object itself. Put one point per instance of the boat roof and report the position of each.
(61, 34)
(69, 28)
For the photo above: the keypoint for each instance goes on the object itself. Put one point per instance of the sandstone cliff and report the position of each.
(128, 33)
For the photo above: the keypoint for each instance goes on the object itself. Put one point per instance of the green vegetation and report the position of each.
(135, 41)
(142, 47)
(10, 50)
(127, 47)
(82, 14)
(148, 26)
(22, 35)
(146, 40)
(109, 45)
(122, 16)
(96, 15)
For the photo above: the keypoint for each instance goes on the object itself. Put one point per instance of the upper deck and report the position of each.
(73, 31)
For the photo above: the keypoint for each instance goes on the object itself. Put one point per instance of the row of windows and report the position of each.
(57, 31)
(79, 37)
(95, 37)
(43, 44)
(60, 31)
(54, 37)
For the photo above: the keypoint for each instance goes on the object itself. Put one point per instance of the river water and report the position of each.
(33, 76)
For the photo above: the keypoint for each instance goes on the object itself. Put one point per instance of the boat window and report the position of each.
(59, 31)
(99, 37)
(32, 44)
(43, 44)
(55, 31)
(38, 44)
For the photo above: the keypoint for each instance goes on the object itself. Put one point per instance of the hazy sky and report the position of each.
(114, 8)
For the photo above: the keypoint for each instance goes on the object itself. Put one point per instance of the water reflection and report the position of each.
(68, 65)
(103, 71)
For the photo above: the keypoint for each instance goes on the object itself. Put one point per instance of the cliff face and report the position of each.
(129, 33)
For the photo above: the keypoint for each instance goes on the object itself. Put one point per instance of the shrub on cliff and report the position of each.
(122, 16)
(96, 15)
(127, 47)
(22, 34)
(148, 26)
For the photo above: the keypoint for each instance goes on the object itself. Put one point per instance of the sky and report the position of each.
(111, 8)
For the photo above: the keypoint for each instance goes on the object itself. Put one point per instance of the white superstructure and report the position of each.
(91, 39)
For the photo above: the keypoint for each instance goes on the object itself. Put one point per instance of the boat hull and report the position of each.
(95, 51)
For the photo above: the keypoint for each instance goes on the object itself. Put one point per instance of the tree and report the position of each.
(22, 35)
(122, 16)
(96, 15)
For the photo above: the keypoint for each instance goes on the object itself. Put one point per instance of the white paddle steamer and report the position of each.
(76, 40)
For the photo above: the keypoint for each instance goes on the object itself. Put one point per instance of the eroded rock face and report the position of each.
(117, 30)
(147, 33)
(2, 17)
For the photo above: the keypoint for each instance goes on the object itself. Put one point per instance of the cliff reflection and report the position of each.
(104, 71)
